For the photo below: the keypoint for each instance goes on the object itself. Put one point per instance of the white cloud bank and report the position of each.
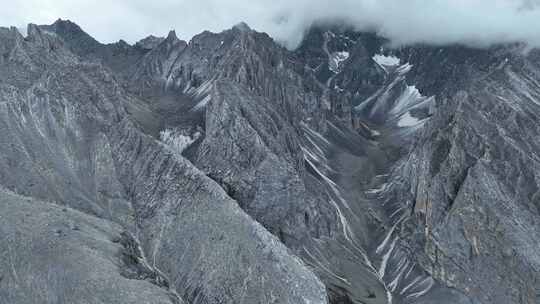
(473, 22)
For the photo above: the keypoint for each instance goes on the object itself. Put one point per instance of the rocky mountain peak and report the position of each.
(172, 35)
(172, 41)
(149, 42)
(71, 33)
(242, 27)
(67, 26)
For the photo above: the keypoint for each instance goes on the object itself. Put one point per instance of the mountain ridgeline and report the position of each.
(228, 169)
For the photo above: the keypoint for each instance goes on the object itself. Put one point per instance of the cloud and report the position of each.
(472, 22)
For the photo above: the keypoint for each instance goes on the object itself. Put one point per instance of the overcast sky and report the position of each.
(477, 22)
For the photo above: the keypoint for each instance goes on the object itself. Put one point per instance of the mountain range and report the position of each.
(229, 169)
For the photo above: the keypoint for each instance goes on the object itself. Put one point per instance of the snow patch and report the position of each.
(323, 267)
(382, 246)
(315, 134)
(402, 267)
(386, 60)
(381, 189)
(428, 283)
(409, 98)
(412, 284)
(202, 104)
(407, 120)
(204, 88)
(336, 59)
(373, 132)
(386, 258)
(404, 69)
(176, 141)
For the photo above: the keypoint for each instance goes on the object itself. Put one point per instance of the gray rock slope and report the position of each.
(471, 183)
(228, 169)
(54, 254)
(68, 139)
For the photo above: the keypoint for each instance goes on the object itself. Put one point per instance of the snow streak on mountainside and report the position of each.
(228, 169)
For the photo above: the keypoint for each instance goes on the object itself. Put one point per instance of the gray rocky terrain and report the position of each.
(228, 169)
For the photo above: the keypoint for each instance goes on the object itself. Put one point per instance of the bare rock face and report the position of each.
(154, 67)
(256, 155)
(149, 42)
(55, 111)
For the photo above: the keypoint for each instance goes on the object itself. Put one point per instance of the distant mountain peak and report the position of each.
(172, 35)
(73, 34)
(149, 42)
(67, 26)
(62, 21)
(243, 27)
(41, 35)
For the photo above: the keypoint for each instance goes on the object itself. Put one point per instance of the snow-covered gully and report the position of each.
(400, 277)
